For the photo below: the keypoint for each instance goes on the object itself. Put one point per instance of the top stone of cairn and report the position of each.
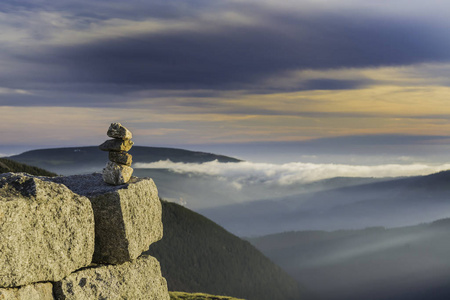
(117, 131)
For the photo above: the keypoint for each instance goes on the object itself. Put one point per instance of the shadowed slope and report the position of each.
(197, 255)
(406, 263)
(8, 165)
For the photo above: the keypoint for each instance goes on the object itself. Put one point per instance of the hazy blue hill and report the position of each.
(8, 165)
(90, 159)
(375, 263)
(394, 202)
(197, 255)
(152, 154)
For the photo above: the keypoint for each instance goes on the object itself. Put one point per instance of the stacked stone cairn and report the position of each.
(118, 170)
(77, 237)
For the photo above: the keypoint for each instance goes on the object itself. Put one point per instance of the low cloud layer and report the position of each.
(247, 173)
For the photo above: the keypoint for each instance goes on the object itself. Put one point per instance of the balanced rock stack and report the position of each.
(77, 237)
(118, 170)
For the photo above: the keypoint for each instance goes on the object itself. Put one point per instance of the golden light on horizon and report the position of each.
(377, 109)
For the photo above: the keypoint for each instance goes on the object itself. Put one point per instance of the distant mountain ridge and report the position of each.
(392, 203)
(90, 159)
(404, 263)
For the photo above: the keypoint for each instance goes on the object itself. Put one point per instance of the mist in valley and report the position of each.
(252, 199)
(342, 237)
(374, 263)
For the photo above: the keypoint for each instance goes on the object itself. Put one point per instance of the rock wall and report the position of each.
(56, 234)
(138, 279)
(127, 217)
(37, 291)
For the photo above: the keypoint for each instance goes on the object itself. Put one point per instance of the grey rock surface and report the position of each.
(118, 131)
(138, 279)
(46, 230)
(127, 217)
(37, 291)
(121, 158)
(116, 174)
(116, 145)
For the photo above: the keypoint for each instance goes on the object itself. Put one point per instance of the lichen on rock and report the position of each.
(37, 291)
(116, 174)
(116, 145)
(117, 131)
(138, 279)
(118, 170)
(122, 158)
(46, 230)
(128, 218)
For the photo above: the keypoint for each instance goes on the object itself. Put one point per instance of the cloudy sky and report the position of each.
(211, 72)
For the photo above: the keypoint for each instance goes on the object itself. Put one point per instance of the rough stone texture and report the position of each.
(121, 158)
(139, 279)
(116, 130)
(116, 174)
(38, 291)
(46, 230)
(116, 145)
(127, 217)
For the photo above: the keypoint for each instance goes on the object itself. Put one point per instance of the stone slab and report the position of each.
(37, 291)
(116, 174)
(46, 230)
(138, 279)
(128, 218)
(118, 131)
(121, 158)
(116, 145)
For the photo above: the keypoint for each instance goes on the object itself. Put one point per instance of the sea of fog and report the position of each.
(294, 173)
(255, 198)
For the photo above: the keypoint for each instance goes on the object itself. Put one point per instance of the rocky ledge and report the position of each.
(127, 217)
(53, 230)
(46, 230)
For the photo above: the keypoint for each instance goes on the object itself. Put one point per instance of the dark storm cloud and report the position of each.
(218, 56)
(235, 57)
